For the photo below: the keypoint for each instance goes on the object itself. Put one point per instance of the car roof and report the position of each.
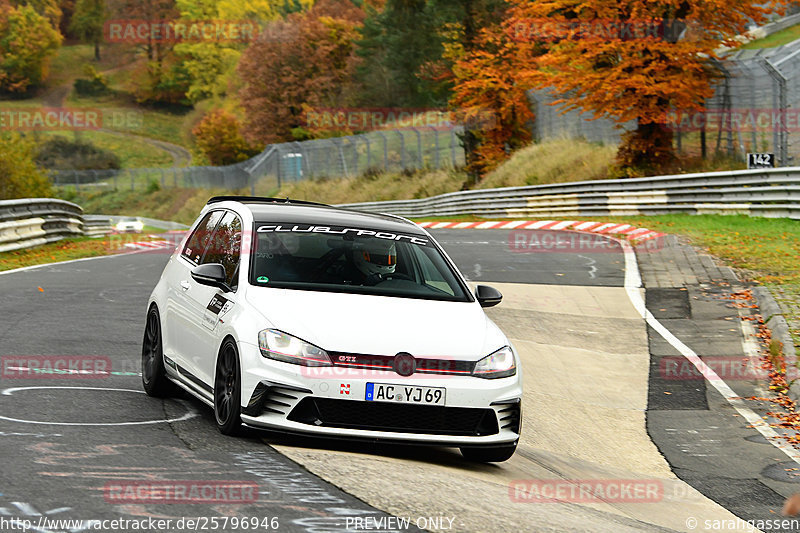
(285, 211)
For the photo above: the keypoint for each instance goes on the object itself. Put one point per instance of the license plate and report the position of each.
(384, 392)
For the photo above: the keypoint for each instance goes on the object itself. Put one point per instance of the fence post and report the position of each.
(436, 161)
(338, 145)
(278, 161)
(369, 151)
(385, 151)
(402, 149)
(354, 144)
(453, 139)
(780, 137)
(419, 148)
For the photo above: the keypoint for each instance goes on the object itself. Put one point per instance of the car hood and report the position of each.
(380, 325)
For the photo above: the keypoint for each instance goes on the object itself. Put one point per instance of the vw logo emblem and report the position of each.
(404, 364)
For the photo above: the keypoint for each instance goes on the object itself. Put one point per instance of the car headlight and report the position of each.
(499, 364)
(283, 347)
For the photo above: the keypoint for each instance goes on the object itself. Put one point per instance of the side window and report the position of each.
(197, 242)
(226, 246)
(432, 276)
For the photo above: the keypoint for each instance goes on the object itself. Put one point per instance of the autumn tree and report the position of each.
(211, 64)
(398, 39)
(219, 137)
(489, 97)
(49, 9)
(308, 60)
(161, 78)
(27, 43)
(628, 60)
(87, 22)
(19, 176)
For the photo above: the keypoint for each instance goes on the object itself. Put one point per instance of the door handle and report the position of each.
(185, 285)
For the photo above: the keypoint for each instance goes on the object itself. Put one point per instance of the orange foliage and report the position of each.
(580, 49)
(485, 86)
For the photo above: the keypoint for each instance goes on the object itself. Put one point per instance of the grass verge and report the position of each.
(178, 205)
(776, 39)
(63, 250)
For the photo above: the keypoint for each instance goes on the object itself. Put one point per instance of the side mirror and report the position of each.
(211, 274)
(488, 296)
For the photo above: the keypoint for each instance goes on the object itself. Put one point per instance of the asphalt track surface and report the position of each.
(64, 442)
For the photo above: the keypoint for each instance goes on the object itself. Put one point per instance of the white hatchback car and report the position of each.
(306, 318)
(130, 225)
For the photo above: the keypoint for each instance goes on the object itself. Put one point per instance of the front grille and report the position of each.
(386, 363)
(403, 418)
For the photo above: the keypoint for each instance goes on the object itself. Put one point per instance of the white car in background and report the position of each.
(306, 318)
(130, 225)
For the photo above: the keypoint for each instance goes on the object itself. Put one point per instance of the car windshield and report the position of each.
(130, 219)
(344, 259)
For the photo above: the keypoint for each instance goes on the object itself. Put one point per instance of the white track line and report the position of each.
(633, 283)
(190, 411)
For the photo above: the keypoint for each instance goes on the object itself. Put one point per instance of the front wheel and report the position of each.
(227, 390)
(494, 454)
(154, 376)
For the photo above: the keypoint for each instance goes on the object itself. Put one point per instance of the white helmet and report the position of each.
(375, 256)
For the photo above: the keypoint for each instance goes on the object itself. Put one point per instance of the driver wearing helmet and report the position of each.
(376, 259)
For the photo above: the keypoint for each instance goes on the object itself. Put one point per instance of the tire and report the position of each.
(227, 390)
(496, 454)
(154, 376)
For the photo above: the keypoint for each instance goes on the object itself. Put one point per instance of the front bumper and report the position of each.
(330, 402)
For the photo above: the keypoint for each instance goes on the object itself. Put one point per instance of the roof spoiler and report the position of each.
(261, 200)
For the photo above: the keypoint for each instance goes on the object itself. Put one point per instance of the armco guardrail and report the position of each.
(766, 193)
(30, 222)
(96, 225)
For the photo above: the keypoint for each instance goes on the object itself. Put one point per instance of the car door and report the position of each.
(209, 305)
(179, 316)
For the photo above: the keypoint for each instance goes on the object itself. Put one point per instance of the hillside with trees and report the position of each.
(221, 97)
